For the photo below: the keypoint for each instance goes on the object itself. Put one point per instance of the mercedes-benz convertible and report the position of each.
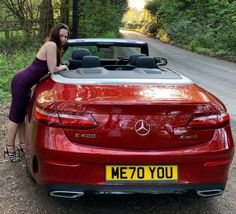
(120, 121)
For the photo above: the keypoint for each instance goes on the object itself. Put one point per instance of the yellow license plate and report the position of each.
(141, 173)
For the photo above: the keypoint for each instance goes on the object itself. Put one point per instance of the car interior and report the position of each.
(82, 58)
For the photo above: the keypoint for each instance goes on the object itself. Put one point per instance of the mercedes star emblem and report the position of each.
(142, 127)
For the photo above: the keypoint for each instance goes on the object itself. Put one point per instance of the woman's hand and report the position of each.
(63, 67)
(60, 68)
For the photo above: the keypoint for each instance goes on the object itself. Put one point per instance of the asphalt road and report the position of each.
(19, 195)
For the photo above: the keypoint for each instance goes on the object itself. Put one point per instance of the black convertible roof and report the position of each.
(110, 42)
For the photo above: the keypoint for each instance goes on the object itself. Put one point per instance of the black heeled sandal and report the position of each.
(11, 155)
(21, 149)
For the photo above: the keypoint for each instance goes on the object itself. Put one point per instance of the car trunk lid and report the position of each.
(137, 117)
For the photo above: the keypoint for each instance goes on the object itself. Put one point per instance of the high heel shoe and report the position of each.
(21, 149)
(11, 155)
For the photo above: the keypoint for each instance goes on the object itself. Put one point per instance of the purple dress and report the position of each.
(21, 87)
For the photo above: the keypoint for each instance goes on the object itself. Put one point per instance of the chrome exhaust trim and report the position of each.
(76, 194)
(209, 193)
(66, 194)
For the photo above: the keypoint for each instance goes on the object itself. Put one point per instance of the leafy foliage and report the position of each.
(206, 26)
(100, 18)
(22, 14)
(143, 21)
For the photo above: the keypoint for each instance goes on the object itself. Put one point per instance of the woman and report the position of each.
(48, 59)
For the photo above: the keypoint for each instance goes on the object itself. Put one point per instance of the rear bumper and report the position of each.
(75, 191)
(92, 173)
(62, 165)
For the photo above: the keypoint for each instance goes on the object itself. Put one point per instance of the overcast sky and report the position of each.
(139, 4)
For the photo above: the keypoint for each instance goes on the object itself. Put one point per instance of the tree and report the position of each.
(100, 18)
(65, 11)
(46, 18)
(75, 19)
(24, 12)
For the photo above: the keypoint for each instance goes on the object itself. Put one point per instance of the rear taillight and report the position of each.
(45, 109)
(64, 120)
(200, 121)
(78, 121)
(46, 117)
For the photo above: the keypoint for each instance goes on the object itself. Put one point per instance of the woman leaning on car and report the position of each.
(48, 59)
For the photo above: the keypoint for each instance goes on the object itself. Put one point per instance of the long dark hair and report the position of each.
(55, 37)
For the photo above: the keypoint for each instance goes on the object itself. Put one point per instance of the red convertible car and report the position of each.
(119, 121)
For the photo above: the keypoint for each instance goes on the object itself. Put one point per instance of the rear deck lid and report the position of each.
(138, 116)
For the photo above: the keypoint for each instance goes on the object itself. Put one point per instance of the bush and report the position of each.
(203, 26)
(162, 35)
(152, 28)
(16, 44)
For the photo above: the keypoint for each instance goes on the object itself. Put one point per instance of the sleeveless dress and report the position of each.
(21, 85)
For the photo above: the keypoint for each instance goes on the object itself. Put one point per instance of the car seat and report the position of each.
(77, 56)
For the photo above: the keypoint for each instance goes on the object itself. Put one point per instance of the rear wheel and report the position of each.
(29, 175)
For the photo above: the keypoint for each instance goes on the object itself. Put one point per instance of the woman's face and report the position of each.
(63, 33)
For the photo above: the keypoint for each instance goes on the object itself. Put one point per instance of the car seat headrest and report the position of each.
(133, 58)
(145, 62)
(90, 62)
(78, 54)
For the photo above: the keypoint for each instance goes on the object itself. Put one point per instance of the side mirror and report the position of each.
(160, 61)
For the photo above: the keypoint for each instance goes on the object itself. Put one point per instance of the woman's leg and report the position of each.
(10, 149)
(21, 136)
(21, 133)
(12, 128)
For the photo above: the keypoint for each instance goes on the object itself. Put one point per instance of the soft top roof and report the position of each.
(110, 42)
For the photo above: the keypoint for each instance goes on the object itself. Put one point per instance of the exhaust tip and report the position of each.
(66, 194)
(210, 193)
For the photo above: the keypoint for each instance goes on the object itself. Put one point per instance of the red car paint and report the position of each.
(202, 155)
(74, 131)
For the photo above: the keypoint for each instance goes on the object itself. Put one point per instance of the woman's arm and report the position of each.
(51, 53)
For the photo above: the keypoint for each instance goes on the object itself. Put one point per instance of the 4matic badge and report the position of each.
(142, 127)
